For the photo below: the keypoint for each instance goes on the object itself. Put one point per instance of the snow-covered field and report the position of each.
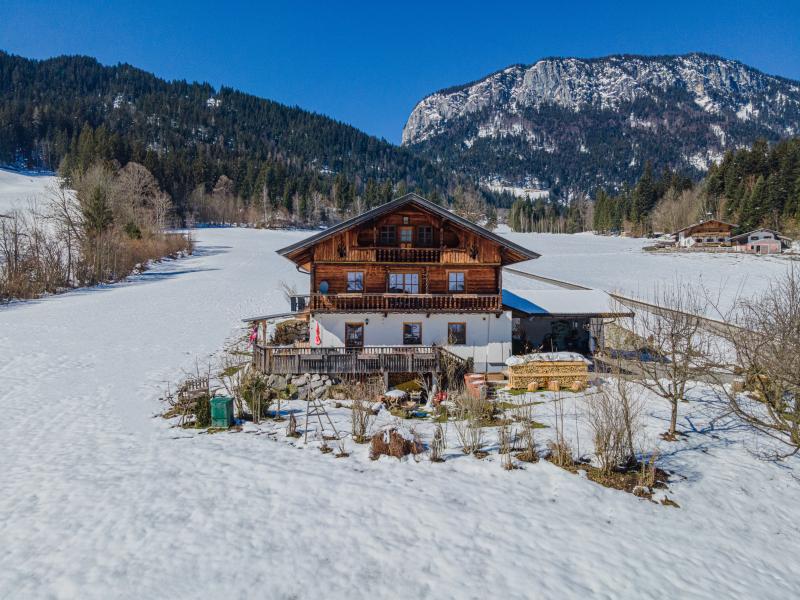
(22, 191)
(100, 498)
(618, 264)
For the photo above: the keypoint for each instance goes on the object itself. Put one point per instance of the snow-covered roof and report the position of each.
(744, 236)
(562, 303)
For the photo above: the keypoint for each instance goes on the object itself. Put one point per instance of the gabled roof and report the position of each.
(732, 225)
(777, 234)
(519, 253)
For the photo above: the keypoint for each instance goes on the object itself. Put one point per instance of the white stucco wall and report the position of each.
(488, 336)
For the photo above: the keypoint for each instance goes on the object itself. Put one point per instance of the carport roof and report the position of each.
(563, 303)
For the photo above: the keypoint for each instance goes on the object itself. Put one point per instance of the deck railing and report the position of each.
(290, 360)
(406, 302)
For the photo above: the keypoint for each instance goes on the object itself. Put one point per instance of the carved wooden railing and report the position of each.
(392, 254)
(408, 255)
(290, 360)
(406, 302)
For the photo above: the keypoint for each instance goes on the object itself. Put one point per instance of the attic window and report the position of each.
(386, 235)
(425, 235)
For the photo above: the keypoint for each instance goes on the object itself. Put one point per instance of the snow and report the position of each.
(101, 498)
(559, 301)
(546, 357)
(746, 112)
(23, 190)
(618, 264)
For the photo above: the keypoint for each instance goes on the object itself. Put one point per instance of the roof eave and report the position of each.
(522, 252)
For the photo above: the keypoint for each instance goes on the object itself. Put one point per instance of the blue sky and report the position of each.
(368, 63)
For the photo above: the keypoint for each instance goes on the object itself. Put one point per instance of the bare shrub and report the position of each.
(361, 415)
(256, 393)
(341, 449)
(607, 420)
(560, 453)
(438, 444)
(468, 425)
(393, 441)
(291, 427)
(505, 446)
(524, 415)
(560, 449)
(647, 472)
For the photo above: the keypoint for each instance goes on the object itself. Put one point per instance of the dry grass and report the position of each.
(392, 443)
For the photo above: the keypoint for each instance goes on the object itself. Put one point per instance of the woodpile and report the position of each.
(552, 375)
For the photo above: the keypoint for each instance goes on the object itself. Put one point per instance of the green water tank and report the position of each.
(221, 411)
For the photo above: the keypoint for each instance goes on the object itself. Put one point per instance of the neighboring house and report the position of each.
(760, 241)
(712, 232)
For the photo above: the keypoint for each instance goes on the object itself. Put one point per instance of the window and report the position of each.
(455, 281)
(355, 281)
(456, 334)
(406, 235)
(404, 283)
(412, 334)
(354, 335)
(424, 235)
(386, 235)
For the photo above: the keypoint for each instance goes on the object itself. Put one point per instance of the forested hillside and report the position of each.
(756, 187)
(219, 153)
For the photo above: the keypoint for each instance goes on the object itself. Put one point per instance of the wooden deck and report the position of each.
(290, 360)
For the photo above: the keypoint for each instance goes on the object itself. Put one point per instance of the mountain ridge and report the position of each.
(547, 118)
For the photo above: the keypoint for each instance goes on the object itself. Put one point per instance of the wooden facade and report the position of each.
(423, 269)
(412, 256)
(712, 232)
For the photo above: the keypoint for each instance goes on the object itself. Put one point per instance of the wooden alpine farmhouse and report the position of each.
(409, 285)
(709, 233)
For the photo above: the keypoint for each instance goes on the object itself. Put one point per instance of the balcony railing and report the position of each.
(392, 254)
(290, 360)
(406, 302)
(408, 255)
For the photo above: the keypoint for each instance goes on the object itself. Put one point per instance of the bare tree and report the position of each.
(675, 347)
(766, 345)
(467, 203)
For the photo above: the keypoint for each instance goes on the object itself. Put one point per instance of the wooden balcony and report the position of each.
(405, 302)
(290, 360)
(393, 254)
(408, 255)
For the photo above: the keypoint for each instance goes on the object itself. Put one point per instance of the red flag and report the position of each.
(317, 338)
